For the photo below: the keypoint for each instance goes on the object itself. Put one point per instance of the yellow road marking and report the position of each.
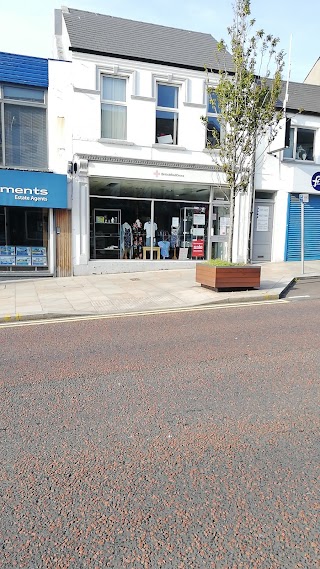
(66, 319)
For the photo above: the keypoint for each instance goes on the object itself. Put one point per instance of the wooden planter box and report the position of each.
(228, 278)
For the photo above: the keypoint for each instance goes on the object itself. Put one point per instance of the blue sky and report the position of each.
(26, 26)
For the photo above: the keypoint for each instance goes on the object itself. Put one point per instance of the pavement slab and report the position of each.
(105, 294)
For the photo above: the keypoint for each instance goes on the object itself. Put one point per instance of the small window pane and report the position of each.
(166, 127)
(114, 89)
(168, 96)
(213, 132)
(288, 152)
(25, 136)
(23, 94)
(114, 122)
(213, 105)
(305, 139)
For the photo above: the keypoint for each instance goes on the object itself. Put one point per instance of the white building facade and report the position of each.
(146, 192)
(282, 174)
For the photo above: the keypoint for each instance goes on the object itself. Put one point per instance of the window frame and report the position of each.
(174, 110)
(210, 114)
(22, 103)
(295, 128)
(113, 103)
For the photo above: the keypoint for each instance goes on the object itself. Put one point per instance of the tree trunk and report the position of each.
(231, 227)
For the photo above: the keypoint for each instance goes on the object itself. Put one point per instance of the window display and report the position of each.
(23, 239)
(123, 229)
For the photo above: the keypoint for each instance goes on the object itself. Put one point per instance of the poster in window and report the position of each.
(39, 251)
(22, 251)
(199, 219)
(7, 261)
(263, 213)
(183, 254)
(7, 250)
(39, 261)
(23, 261)
(198, 248)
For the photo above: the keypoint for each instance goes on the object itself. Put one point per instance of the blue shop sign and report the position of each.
(33, 189)
(315, 181)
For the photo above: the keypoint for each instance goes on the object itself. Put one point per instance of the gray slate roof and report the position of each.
(128, 39)
(303, 96)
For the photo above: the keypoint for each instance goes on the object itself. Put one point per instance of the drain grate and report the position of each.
(135, 279)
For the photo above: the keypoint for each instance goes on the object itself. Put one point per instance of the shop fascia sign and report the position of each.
(157, 174)
(315, 181)
(33, 189)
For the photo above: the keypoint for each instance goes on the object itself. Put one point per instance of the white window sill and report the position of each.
(142, 98)
(195, 105)
(211, 150)
(116, 141)
(297, 161)
(168, 146)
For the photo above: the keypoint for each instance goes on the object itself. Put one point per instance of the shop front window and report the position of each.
(127, 228)
(23, 239)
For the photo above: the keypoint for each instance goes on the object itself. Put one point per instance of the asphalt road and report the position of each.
(187, 440)
(304, 289)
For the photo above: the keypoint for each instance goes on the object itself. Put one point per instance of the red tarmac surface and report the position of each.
(174, 441)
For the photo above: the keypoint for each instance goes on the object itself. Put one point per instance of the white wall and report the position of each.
(274, 173)
(141, 110)
(59, 118)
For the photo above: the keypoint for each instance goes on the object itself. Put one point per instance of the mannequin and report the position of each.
(126, 240)
(150, 231)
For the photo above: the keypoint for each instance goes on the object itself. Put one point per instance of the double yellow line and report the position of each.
(69, 319)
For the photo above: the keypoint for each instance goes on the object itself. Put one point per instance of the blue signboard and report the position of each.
(315, 181)
(33, 189)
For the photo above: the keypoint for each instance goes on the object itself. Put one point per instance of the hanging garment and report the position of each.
(164, 249)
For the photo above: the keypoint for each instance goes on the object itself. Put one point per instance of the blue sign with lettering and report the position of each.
(315, 181)
(33, 189)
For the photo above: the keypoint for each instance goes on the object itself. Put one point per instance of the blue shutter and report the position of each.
(311, 229)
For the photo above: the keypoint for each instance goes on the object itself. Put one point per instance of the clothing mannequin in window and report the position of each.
(126, 240)
(150, 232)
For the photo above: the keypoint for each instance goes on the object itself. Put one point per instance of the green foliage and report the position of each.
(220, 263)
(246, 99)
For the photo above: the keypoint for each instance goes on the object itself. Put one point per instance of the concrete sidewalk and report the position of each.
(132, 292)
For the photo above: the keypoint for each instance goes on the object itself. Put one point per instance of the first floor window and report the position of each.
(301, 144)
(167, 114)
(25, 136)
(23, 125)
(113, 108)
(213, 123)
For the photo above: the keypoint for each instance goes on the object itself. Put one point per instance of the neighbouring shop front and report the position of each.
(311, 208)
(28, 205)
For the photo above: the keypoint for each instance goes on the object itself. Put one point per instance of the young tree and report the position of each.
(246, 101)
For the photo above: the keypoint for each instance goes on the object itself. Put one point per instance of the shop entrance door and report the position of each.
(262, 230)
(220, 230)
